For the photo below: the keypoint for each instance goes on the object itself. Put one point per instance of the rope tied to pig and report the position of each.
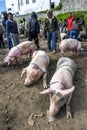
(39, 68)
(18, 52)
(57, 82)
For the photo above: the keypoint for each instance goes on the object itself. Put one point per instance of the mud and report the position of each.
(18, 103)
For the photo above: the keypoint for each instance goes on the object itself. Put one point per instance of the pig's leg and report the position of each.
(68, 110)
(62, 54)
(73, 52)
(45, 80)
(30, 55)
(19, 58)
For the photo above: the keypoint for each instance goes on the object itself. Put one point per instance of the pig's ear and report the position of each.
(8, 63)
(33, 74)
(67, 91)
(23, 71)
(34, 53)
(47, 91)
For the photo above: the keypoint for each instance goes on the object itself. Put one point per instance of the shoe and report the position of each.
(49, 50)
(54, 51)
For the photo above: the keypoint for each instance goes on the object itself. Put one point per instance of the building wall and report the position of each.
(40, 5)
(13, 4)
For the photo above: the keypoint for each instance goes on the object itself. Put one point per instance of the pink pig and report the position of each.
(70, 44)
(37, 68)
(61, 87)
(17, 51)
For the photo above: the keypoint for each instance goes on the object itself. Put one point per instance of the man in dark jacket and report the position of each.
(12, 29)
(34, 29)
(51, 26)
(5, 18)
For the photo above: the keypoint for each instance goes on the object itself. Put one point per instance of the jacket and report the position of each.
(70, 20)
(51, 26)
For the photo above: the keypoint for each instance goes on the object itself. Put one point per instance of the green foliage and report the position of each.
(59, 7)
(63, 16)
(42, 11)
(41, 19)
(79, 14)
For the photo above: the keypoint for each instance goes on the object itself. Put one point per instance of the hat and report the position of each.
(49, 12)
(33, 15)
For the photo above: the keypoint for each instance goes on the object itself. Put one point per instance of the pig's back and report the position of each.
(66, 62)
(42, 55)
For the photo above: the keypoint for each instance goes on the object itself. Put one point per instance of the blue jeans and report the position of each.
(51, 36)
(14, 39)
(8, 41)
(74, 33)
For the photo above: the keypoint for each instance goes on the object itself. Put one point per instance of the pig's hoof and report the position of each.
(69, 116)
(45, 86)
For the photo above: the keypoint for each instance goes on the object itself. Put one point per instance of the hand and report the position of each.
(39, 34)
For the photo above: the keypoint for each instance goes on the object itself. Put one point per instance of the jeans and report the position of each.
(14, 39)
(74, 33)
(51, 36)
(8, 41)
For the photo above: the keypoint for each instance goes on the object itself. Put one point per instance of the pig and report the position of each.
(70, 44)
(37, 68)
(61, 87)
(17, 51)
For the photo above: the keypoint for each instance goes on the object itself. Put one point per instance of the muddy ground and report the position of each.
(18, 102)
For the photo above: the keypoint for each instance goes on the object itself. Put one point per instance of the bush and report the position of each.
(59, 7)
(78, 14)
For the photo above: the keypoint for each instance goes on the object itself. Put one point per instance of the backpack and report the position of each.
(33, 25)
(75, 26)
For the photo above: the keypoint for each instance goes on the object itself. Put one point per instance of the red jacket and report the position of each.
(70, 20)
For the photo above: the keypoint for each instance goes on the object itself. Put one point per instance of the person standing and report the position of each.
(75, 29)
(51, 26)
(5, 18)
(12, 29)
(1, 37)
(60, 25)
(69, 22)
(33, 29)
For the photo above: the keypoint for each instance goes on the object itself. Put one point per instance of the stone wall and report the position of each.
(73, 5)
(70, 6)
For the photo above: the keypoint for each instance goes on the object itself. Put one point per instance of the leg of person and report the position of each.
(49, 40)
(68, 33)
(30, 36)
(35, 37)
(16, 39)
(9, 42)
(76, 34)
(54, 37)
(71, 34)
(37, 43)
(12, 39)
(1, 41)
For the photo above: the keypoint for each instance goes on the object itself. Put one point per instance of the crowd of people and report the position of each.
(31, 29)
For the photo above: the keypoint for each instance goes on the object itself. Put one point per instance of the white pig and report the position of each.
(16, 52)
(37, 68)
(61, 87)
(70, 44)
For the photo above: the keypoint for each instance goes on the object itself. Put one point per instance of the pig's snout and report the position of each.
(27, 83)
(53, 112)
